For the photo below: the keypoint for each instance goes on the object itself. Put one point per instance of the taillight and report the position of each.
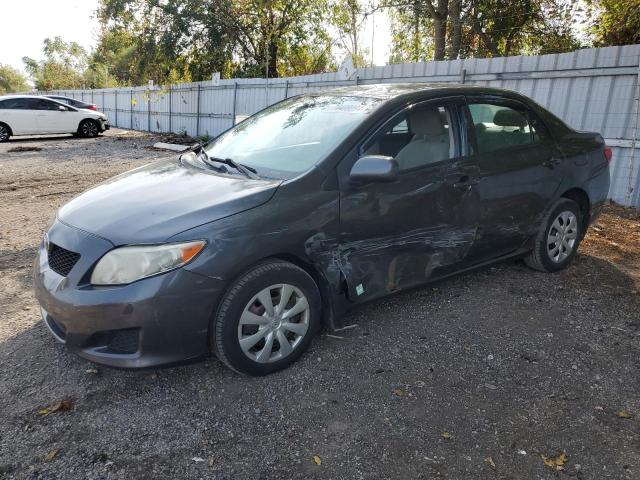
(608, 154)
(92, 107)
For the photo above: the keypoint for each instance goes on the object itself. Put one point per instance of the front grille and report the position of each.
(61, 260)
(123, 341)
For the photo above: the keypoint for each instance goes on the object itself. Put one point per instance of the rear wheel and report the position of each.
(88, 129)
(558, 240)
(267, 319)
(5, 133)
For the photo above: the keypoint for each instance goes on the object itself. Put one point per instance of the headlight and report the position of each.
(128, 264)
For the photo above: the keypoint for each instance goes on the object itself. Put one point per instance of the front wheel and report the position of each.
(88, 129)
(267, 319)
(559, 237)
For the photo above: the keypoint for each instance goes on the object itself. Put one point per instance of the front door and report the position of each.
(520, 171)
(397, 235)
(53, 117)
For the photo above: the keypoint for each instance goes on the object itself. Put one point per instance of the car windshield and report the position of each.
(290, 137)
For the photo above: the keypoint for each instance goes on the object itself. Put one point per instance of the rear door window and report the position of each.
(500, 127)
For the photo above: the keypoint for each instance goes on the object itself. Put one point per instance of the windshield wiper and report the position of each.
(249, 172)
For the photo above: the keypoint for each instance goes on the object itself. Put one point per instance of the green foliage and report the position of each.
(12, 81)
(616, 22)
(348, 17)
(62, 67)
(480, 28)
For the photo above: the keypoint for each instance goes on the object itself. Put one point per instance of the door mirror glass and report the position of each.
(62, 108)
(374, 168)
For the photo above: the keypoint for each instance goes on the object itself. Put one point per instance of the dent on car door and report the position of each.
(520, 170)
(400, 234)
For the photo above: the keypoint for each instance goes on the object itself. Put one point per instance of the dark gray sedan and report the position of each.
(245, 247)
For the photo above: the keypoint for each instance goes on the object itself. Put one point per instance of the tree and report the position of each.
(616, 22)
(348, 17)
(62, 68)
(480, 28)
(12, 81)
(191, 39)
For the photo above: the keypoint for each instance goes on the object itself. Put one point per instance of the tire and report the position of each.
(563, 223)
(256, 346)
(5, 132)
(88, 129)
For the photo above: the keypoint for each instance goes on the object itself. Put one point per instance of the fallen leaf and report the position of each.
(556, 463)
(197, 459)
(624, 414)
(51, 455)
(92, 370)
(61, 406)
(489, 461)
(397, 392)
(317, 460)
(446, 435)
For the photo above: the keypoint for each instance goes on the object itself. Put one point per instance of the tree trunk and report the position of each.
(440, 29)
(456, 27)
(273, 59)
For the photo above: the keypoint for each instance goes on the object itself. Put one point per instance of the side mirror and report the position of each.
(374, 168)
(62, 108)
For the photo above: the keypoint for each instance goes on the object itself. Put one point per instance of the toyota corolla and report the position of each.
(245, 247)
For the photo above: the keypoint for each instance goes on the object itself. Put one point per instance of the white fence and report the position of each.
(592, 89)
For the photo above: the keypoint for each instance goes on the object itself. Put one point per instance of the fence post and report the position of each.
(116, 102)
(286, 89)
(463, 75)
(131, 109)
(198, 112)
(149, 111)
(235, 95)
(102, 99)
(170, 107)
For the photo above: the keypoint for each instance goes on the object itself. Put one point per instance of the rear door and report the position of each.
(397, 235)
(20, 115)
(520, 171)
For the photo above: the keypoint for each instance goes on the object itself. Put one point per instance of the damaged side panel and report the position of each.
(398, 235)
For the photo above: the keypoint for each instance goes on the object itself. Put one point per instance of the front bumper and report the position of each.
(104, 125)
(155, 321)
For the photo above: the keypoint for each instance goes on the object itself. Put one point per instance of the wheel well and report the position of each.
(582, 199)
(319, 278)
(6, 125)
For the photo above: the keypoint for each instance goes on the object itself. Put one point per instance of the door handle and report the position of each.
(465, 182)
(551, 162)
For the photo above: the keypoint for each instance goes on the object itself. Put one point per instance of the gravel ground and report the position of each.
(478, 377)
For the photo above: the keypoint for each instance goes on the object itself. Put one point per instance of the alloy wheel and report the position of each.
(562, 236)
(89, 129)
(4, 133)
(273, 323)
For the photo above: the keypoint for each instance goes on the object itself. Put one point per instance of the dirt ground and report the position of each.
(502, 373)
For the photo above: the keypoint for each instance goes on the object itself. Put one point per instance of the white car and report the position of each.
(33, 115)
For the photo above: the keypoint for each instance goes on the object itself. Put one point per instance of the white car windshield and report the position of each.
(290, 137)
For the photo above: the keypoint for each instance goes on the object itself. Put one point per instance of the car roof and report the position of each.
(388, 91)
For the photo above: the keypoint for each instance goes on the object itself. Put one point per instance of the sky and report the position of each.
(74, 20)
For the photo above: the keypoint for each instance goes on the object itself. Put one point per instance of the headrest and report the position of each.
(426, 122)
(509, 118)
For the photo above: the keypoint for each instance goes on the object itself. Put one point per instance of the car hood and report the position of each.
(156, 201)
